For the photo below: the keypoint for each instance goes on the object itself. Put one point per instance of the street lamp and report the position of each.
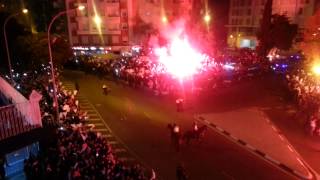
(164, 19)
(207, 18)
(55, 98)
(97, 20)
(24, 11)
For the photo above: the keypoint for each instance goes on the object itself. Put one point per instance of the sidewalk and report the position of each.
(293, 129)
(252, 128)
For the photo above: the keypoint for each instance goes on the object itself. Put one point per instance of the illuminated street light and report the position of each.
(207, 18)
(164, 19)
(81, 8)
(24, 11)
(97, 20)
(231, 36)
(55, 97)
(316, 69)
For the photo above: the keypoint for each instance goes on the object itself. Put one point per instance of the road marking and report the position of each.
(112, 142)
(119, 150)
(290, 148)
(99, 129)
(125, 159)
(107, 135)
(94, 119)
(147, 115)
(98, 124)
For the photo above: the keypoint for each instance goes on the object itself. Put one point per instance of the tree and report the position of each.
(275, 31)
(311, 38)
(282, 32)
(142, 30)
(32, 50)
(263, 33)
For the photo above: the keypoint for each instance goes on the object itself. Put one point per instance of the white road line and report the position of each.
(290, 148)
(98, 124)
(125, 159)
(107, 135)
(94, 119)
(119, 150)
(281, 137)
(250, 147)
(100, 130)
(219, 129)
(112, 142)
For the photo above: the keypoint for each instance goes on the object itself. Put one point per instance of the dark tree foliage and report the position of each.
(275, 31)
(263, 34)
(142, 30)
(282, 32)
(33, 50)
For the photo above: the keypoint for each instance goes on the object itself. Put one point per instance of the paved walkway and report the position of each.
(254, 128)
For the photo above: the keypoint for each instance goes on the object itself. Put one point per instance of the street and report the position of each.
(140, 120)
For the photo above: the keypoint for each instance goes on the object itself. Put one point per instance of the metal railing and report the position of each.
(13, 122)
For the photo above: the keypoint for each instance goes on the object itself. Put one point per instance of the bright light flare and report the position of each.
(81, 7)
(207, 18)
(316, 69)
(164, 19)
(97, 20)
(179, 58)
(24, 11)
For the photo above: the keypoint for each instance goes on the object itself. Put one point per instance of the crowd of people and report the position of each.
(145, 71)
(306, 92)
(76, 151)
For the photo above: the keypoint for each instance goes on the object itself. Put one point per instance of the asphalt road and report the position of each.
(144, 130)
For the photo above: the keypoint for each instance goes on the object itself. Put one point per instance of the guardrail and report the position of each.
(13, 122)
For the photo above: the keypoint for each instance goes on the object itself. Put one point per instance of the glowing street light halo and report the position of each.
(164, 19)
(25, 11)
(81, 7)
(316, 69)
(97, 19)
(207, 18)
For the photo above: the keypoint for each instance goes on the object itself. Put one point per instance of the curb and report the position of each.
(255, 150)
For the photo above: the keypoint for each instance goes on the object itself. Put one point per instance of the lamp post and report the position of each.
(24, 11)
(55, 98)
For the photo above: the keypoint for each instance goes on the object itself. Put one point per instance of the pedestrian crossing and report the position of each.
(95, 119)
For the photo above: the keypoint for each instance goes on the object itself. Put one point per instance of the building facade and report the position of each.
(245, 17)
(101, 24)
(118, 18)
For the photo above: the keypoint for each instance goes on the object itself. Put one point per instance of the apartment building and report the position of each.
(245, 17)
(116, 20)
(101, 24)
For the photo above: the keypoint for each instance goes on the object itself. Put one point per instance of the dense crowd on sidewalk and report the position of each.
(76, 152)
(305, 89)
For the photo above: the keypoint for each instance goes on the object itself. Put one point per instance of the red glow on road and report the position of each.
(180, 58)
